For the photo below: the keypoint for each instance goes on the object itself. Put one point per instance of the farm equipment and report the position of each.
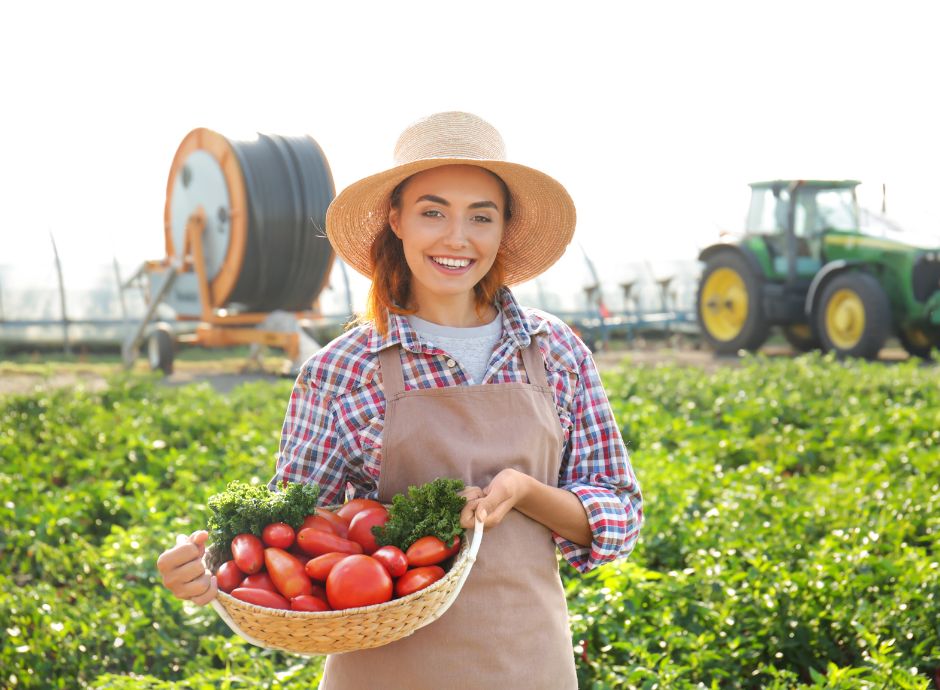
(246, 253)
(804, 264)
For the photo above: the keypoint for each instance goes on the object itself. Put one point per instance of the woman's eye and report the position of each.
(432, 213)
(482, 219)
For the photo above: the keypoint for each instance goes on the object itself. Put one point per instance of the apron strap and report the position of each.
(534, 364)
(390, 365)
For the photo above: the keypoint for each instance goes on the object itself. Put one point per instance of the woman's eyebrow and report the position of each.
(434, 199)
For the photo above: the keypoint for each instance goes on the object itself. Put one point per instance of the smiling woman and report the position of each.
(446, 375)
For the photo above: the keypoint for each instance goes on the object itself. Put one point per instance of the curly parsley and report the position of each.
(244, 507)
(433, 508)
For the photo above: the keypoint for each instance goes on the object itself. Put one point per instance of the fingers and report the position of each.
(208, 595)
(467, 515)
(184, 552)
(183, 572)
(471, 492)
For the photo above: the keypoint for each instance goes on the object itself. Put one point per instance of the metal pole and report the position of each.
(349, 299)
(120, 287)
(65, 317)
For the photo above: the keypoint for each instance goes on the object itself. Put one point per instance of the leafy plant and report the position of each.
(791, 538)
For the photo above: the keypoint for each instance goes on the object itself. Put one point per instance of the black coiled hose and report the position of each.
(287, 256)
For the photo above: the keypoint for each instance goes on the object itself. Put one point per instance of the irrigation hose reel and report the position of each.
(246, 249)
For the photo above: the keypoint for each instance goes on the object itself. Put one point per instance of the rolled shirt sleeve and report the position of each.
(596, 468)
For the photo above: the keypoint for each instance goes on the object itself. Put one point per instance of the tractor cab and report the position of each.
(791, 217)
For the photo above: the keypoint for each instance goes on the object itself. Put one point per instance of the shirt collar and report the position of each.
(515, 325)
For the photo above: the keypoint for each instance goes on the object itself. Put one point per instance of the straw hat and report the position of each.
(543, 214)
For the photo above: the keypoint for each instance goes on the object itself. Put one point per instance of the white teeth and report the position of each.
(452, 263)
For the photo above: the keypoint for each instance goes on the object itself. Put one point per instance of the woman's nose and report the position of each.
(456, 235)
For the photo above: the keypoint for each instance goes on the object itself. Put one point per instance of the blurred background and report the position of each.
(655, 116)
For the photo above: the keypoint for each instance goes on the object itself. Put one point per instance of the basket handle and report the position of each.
(471, 559)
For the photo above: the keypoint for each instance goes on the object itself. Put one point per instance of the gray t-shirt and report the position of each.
(472, 347)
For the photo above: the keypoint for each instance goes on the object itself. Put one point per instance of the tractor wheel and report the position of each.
(160, 345)
(729, 305)
(801, 337)
(853, 316)
(920, 342)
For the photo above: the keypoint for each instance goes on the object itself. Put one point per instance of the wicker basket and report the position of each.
(328, 632)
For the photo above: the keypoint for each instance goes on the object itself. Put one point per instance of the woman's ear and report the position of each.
(394, 218)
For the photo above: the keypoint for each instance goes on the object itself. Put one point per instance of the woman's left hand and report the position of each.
(491, 504)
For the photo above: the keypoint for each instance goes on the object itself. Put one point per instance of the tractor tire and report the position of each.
(728, 305)
(920, 342)
(853, 316)
(160, 349)
(801, 337)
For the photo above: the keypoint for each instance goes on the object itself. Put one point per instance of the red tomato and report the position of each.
(417, 579)
(349, 509)
(259, 581)
(278, 534)
(393, 559)
(340, 526)
(228, 576)
(360, 528)
(319, 522)
(261, 597)
(287, 573)
(308, 602)
(358, 580)
(316, 542)
(319, 568)
(455, 546)
(427, 550)
(248, 553)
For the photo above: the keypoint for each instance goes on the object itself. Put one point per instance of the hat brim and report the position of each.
(536, 236)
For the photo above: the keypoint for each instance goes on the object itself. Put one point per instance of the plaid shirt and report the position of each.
(332, 432)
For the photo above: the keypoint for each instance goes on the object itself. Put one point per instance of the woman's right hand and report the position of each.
(183, 571)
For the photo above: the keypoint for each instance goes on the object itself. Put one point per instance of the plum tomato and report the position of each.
(360, 528)
(393, 558)
(319, 567)
(340, 525)
(316, 542)
(248, 553)
(320, 522)
(261, 597)
(417, 579)
(259, 581)
(278, 534)
(350, 508)
(427, 550)
(228, 576)
(358, 580)
(308, 602)
(287, 572)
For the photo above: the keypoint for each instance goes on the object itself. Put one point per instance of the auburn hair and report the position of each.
(390, 292)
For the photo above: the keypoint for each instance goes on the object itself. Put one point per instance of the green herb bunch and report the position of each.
(433, 508)
(244, 507)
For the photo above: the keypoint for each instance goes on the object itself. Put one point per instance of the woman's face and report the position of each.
(450, 222)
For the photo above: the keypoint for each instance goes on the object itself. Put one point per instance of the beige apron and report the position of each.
(509, 626)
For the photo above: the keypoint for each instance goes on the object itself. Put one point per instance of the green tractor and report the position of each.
(804, 264)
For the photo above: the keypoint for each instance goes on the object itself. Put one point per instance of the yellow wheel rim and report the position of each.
(845, 319)
(724, 304)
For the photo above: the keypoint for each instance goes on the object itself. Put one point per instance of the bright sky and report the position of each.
(655, 115)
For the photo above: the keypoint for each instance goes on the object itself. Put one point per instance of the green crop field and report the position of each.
(791, 536)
